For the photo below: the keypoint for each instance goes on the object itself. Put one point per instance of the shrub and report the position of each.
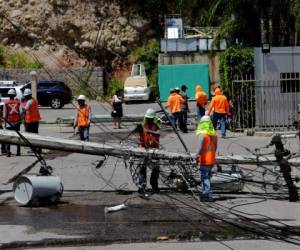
(235, 62)
(148, 55)
(113, 85)
(2, 58)
(21, 60)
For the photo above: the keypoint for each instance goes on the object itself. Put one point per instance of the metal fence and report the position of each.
(189, 45)
(266, 104)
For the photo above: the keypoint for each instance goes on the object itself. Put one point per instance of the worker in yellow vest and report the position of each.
(206, 155)
(82, 118)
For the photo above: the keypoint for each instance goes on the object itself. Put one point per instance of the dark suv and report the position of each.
(52, 93)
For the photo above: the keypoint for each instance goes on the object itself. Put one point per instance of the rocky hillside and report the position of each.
(72, 32)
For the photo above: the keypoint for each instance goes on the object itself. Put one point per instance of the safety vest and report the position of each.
(201, 98)
(149, 140)
(32, 114)
(220, 104)
(13, 110)
(207, 156)
(83, 114)
(174, 102)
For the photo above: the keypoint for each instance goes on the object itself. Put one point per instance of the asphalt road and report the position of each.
(80, 218)
(98, 108)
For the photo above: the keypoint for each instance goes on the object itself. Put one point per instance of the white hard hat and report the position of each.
(27, 92)
(81, 97)
(205, 118)
(12, 92)
(177, 88)
(150, 113)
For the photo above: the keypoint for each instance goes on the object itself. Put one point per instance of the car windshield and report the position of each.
(136, 82)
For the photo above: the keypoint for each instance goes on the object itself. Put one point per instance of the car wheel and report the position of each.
(56, 103)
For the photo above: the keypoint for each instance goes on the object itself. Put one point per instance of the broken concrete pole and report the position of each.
(118, 150)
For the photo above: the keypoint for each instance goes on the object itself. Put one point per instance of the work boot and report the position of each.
(141, 191)
(18, 153)
(8, 154)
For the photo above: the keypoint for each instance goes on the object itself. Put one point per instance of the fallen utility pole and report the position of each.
(118, 150)
(91, 148)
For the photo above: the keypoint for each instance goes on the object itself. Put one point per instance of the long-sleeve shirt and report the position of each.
(219, 104)
(174, 102)
(200, 143)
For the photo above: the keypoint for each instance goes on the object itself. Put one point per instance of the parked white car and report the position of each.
(136, 86)
(5, 88)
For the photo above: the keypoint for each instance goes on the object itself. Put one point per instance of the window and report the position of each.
(4, 91)
(290, 82)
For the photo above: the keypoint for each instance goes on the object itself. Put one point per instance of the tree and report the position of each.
(255, 22)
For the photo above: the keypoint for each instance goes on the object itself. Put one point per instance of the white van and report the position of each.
(136, 85)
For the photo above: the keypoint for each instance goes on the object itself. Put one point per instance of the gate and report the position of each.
(266, 104)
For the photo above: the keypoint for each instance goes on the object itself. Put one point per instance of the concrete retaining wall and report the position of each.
(72, 77)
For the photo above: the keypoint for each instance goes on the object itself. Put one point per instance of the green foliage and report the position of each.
(21, 60)
(113, 85)
(235, 62)
(2, 59)
(148, 55)
(295, 11)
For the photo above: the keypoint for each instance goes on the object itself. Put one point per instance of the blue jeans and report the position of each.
(205, 175)
(177, 117)
(222, 118)
(84, 133)
(200, 112)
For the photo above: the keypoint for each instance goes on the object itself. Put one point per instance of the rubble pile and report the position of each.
(70, 27)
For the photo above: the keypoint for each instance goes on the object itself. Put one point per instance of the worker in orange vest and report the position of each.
(82, 118)
(219, 104)
(32, 115)
(174, 104)
(13, 117)
(206, 155)
(149, 138)
(201, 101)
